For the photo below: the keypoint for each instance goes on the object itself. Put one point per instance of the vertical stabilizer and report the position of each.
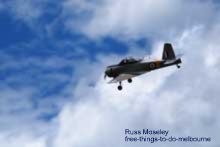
(168, 53)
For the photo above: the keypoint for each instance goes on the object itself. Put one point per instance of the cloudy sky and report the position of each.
(53, 54)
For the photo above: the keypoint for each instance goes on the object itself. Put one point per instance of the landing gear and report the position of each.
(178, 66)
(129, 80)
(120, 87)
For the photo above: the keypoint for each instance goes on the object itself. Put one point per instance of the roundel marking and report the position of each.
(152, 66)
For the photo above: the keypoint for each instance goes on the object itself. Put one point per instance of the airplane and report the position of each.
(131, 67)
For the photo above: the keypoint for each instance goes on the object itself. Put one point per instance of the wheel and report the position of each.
(129, 80)
(178, 66)
(119, 87)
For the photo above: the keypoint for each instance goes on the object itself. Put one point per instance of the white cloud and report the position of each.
(141, 18)
(77, 12)
(185, 101)
(25, 10)
(23, 140)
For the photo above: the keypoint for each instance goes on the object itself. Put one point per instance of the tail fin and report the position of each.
(168, 53)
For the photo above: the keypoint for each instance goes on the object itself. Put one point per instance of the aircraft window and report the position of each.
(128, 61)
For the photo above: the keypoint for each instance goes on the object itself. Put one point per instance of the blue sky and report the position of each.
(37, 56)
(52, 58)
(26, 46)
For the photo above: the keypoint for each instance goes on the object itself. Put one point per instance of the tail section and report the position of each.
(168, 53)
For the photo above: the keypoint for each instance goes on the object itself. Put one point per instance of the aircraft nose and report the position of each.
(108, 71)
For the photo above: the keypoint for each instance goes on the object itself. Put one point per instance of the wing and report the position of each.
(125, 76)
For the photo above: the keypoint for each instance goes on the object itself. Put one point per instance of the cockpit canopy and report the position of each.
(129, 60)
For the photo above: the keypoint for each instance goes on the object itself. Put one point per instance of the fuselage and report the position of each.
(139, 67)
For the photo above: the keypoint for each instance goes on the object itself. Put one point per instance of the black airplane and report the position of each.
(130, 67)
